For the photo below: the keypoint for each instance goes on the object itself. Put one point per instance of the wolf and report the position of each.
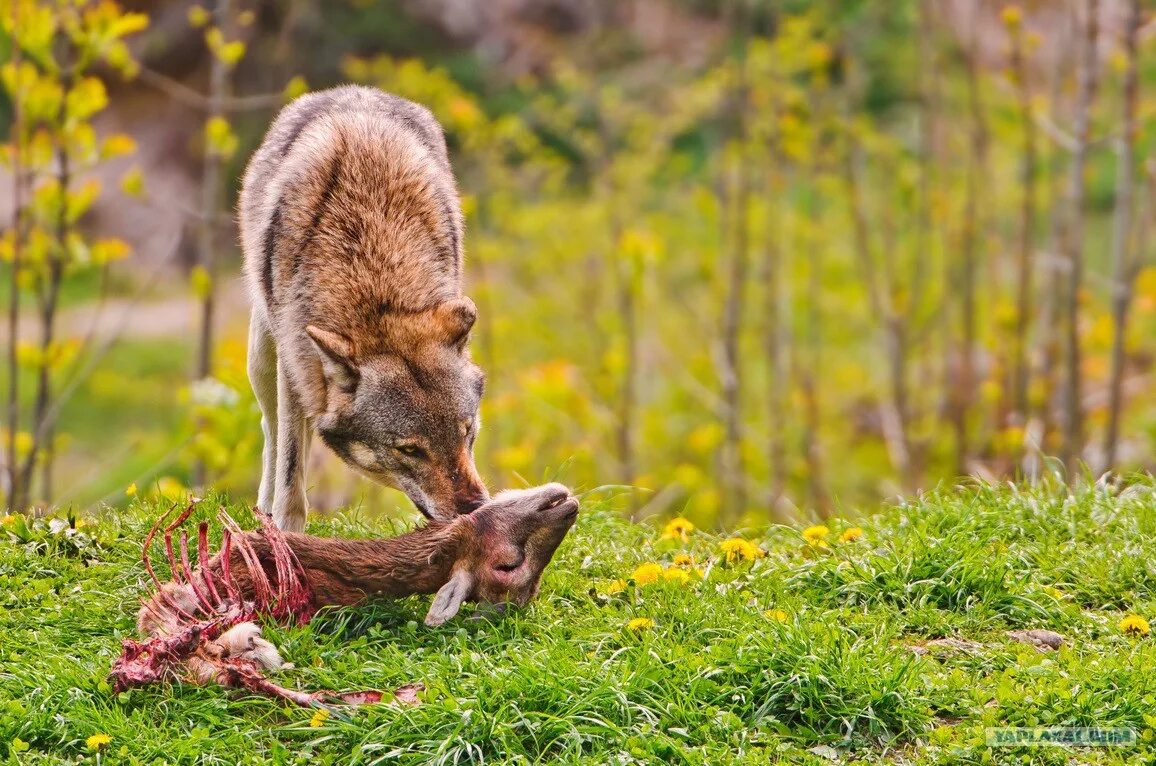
(351, 231)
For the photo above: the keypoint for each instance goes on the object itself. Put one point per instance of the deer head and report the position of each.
(508, 543)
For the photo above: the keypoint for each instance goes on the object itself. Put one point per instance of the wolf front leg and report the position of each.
(289, 501)
(263, 377)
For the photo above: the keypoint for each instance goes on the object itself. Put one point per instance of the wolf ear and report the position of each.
(336, 354)
(449, 598)
(454, 320)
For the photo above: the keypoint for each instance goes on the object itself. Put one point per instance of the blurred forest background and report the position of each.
(762, 257)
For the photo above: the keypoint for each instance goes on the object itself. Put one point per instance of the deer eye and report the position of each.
(511, 566)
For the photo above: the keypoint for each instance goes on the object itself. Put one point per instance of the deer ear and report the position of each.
(449, 598)
(454, 320)
(336, 354)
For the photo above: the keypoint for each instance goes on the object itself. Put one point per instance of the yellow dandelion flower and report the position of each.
(680, 576)
(130, 490)
(677, 529)
(97, 741)
(639, 624)
(682, 560)
(615, 586)
(1054, 592)
(8, 519)
(1134, 625)
(320, 716)
(816, 533)
(738, 549)
(647, 574)
(776, 614)
(849, 535)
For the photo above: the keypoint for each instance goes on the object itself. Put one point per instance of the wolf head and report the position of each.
(405, 413)
(511, 539)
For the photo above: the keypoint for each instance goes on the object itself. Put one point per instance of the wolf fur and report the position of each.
(352, 236)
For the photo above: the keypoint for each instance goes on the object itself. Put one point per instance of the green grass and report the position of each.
(714, 681)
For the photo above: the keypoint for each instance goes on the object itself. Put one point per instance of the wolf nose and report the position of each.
(470, 505)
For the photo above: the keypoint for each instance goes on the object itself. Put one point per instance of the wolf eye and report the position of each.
(410, 450)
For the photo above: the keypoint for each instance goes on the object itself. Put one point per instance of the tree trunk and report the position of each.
(625, 269)
(963, 386)
(211, 202)
(1017, 397)
(15, 493)
(812, 363)
(1086, 94)
(925, 326)
(880, 286)
(775, 344)
(207, 223)
(1123, 269)
(1042, 413)
(733, 475)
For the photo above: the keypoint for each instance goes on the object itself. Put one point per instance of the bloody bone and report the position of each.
(201, 625)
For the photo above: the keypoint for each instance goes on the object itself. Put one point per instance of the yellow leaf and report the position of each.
(198, 16)
(295, 88)
(28, 355)
(87, 97)
(171, 489)
(23, 443)
(81, 140)
(81, 200)
(39, 150)
(132, 183)
(108, 250)
(120, 58)
(231, 53)
(129, 23)
(219, 137)
(117, 145)
(1012, 16)
(201, 282)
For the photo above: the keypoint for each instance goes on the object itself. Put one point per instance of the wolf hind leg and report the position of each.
(262, 364)
(289, 500)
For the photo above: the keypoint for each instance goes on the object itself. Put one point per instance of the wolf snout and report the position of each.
(469, 504)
